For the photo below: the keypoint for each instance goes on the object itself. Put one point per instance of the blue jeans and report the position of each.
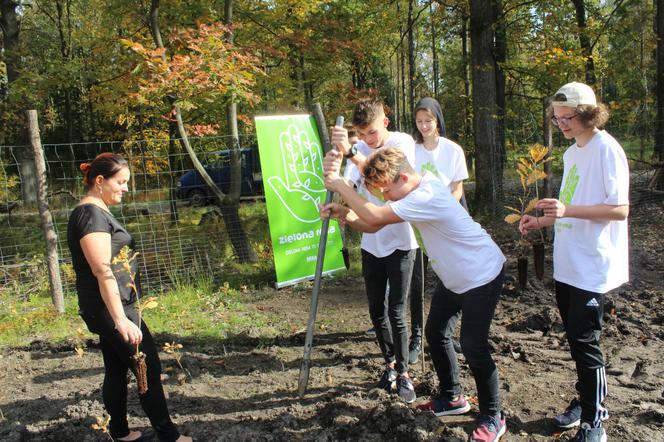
(389, 318)
(475, 308)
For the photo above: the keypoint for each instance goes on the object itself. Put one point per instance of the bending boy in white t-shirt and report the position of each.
(465, 258)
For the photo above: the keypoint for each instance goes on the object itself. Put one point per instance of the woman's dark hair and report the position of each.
(589, 115)
(432, 107)
(105, 164)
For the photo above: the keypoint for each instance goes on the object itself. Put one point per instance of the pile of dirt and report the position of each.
(244, 388)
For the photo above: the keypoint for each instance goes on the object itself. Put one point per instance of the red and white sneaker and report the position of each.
(489, 429)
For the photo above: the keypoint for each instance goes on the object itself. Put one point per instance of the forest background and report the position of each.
(164, 82)
(94, 71)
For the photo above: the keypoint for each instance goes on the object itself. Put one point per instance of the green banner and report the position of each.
(292, 168)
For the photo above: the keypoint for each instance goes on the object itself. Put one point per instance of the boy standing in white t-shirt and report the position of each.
(465, 258)
(388, 255)
(590, 255)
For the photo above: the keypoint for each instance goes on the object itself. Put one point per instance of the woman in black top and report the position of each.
(107, 304)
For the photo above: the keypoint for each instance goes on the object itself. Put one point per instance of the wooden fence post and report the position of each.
(45, 214)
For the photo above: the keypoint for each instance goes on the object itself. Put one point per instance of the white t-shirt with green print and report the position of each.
(394, 236)
(593, 255)
(447, 161)
(461, 252)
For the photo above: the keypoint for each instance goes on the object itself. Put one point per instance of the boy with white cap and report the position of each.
(590, 254)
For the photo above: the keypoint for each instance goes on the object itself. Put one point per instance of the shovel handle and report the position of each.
(309, 339)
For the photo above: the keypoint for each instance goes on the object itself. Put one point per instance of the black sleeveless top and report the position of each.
(88, 218)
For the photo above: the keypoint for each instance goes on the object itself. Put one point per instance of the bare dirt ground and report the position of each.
(244, 388)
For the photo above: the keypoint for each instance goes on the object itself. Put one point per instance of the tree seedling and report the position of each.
(530, 169)
(174, 349)
(102, 425)
(124, 259)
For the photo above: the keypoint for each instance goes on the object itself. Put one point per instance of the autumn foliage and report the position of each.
(203, 72)
(530, 170)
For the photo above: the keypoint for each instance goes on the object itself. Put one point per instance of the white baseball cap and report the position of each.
(574, 94)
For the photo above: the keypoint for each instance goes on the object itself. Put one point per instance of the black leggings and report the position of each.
(117, 360)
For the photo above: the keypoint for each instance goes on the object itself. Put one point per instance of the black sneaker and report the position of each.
(588, 434)
(571, 417)
(414, 349)
(406, 390)
(371, 333)
(388, 381)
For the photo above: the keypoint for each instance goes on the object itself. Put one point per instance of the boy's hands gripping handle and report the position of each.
(309, 339)
(338, 123)
(328, 200)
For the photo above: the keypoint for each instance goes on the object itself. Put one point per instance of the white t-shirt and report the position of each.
(446, 161)
(394, 236)
(461, 252)
(593, 255)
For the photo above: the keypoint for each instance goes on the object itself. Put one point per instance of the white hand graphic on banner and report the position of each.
(300, 188)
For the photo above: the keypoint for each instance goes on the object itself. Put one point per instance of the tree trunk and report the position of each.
(643, 104)
(658, 153)
(500, 52)
(584, 40)
(65, 52)
(434, 52)
(238, 240)
(48, 227)
(411, 66)
(470, 156)
(548, 142)
(488, 170)
(231, 205)
(404, 110)
(231, 121)
(306, 83)
(11, 26)
(172, 152)
(395, 97)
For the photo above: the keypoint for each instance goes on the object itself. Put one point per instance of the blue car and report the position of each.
(192, 188)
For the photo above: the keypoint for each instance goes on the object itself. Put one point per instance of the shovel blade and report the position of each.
(304, 378)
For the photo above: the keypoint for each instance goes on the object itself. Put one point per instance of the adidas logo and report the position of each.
(592, 303)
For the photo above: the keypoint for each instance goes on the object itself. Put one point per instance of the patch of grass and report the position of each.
(193, 310)
(201, 310)
(24, 321)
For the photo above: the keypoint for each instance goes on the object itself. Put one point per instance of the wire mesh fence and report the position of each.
(178, 234)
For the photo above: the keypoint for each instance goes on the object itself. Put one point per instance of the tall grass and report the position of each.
(197, 309)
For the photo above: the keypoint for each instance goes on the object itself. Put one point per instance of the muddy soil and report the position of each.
(244, 388)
